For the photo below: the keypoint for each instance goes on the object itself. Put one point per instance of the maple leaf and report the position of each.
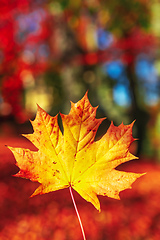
(74, 159)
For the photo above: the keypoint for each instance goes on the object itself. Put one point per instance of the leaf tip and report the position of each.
(39, 109)
(142, 174)
(10, 148)
(86, 94)
(38, 105)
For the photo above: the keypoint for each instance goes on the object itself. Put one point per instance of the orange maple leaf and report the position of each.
(74, 159)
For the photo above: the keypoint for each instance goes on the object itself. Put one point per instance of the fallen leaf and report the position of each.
(74, 159)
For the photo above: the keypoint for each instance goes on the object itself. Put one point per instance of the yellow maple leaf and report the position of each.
(74, 159)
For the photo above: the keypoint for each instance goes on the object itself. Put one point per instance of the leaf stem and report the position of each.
(79, 219)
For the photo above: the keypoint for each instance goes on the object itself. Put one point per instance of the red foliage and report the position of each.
(20, 30)
(138, 41)
(13, 49)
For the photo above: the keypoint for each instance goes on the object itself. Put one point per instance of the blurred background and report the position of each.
(53, 51)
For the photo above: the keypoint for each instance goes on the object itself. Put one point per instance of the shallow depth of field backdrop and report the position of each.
(51, 52)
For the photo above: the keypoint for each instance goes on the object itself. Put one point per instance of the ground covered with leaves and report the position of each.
(52, 216)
